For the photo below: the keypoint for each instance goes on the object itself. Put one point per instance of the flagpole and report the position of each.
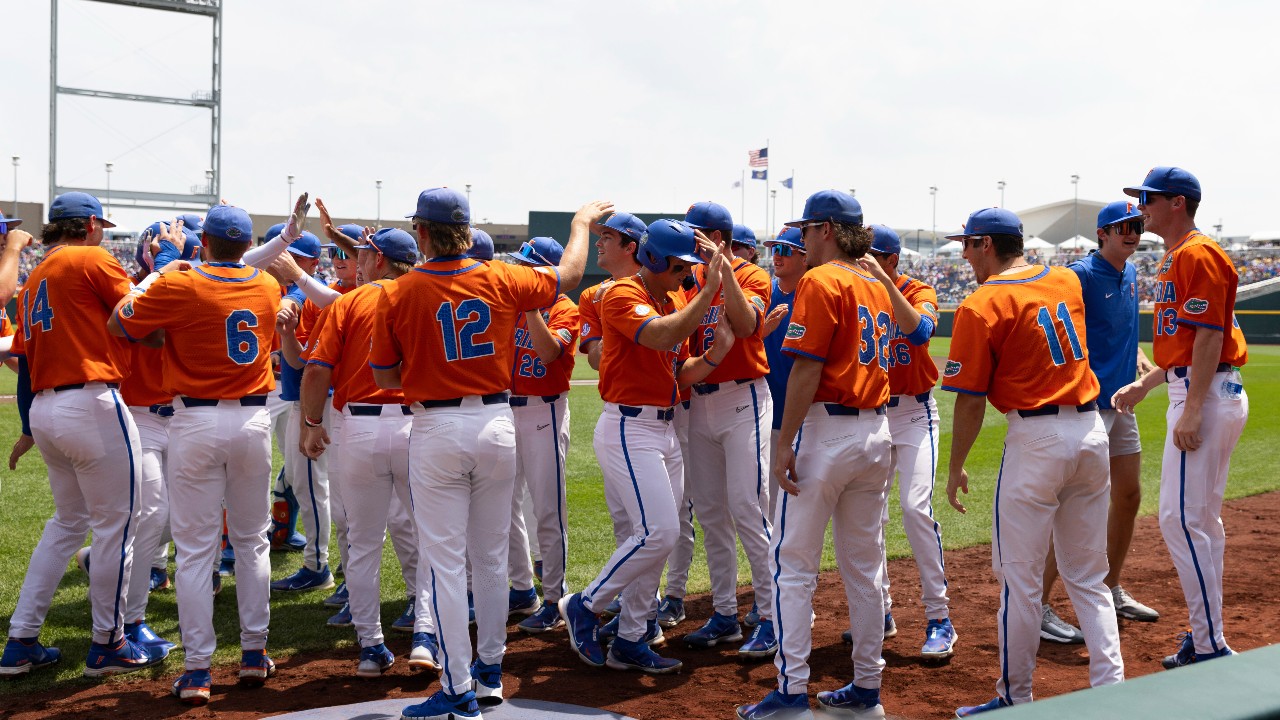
(743, 214)
(793, 192)
(767, 226)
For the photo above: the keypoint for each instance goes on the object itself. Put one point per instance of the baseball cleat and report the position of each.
(122, 657)
(763, 642)
(629, 655)
(424, 653)
(777, 706)
(752, 618)
(671, 612)
(1187, 655)
(1055, 629)
(217, 583)
(852, 701)
(1130, 609)
(614, 607)
(339, 597)
(255, 668)
(142, 634)
(374, 661)
(443, 706)
(305, 579)
(939, 640)
(404, 623)
(192, 687)
(890, 627)
(21, 656)
(523, 602)
(227, 562)
(653, 636)
(584, 628)
(546, 619)
(342, 619)
(537, 569)
(486, 682)
(720, 628)
(159, 580)
(968, 710)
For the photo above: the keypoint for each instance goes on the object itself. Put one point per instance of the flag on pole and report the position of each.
(737, 183)
(759, 174)
(788, 182)
(758, 158)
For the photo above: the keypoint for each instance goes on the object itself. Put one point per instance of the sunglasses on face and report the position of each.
(806, 226)
(336, 253)
(1146, 197)
(785, 251)
(879, 255)
(1136, 227)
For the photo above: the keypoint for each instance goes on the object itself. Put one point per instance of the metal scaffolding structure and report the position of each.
(212, 100)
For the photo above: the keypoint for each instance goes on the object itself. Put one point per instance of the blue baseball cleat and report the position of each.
(671, 612)
(405, 622)
(969, 710)
(584, 628)
(192, 687)
(763, 642)
(720, 628)
(628, 655)
(159, 579)
(424, 652)
(523, 602)
(852, 701)
(374, 661)
(22, 655)
(122, 657)
(339, 597)
(653, 636)
(486, 682)
(305, 579)
(255, 668)
(777, 706)
(546, 619)
(752, 618)
(443, 706)
(142, 634)
(342, 619)
(939, 640)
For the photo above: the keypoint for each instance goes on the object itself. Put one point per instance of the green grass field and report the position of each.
(298, 621)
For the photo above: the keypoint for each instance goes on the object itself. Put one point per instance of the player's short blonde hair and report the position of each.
(853, 240)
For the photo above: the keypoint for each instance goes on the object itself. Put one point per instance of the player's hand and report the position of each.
(20, 448)
(287, 317)
(1144, 364)
(175, 266)
(326, 222)
(312, 441)
(873, 269)
(774, 318)
(293, 228)
(1127, 397)
(600, 291)
(784, 468)
(1186, 433)
(722, 338)
(17, 239)
(284, 268)
(592, 212)
(706, 248)
(958, 481)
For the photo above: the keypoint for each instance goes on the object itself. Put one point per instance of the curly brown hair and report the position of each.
(853, 240)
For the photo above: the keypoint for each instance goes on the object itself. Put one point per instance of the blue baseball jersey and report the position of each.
(290, 379)
(1111, 322)
(779, 362)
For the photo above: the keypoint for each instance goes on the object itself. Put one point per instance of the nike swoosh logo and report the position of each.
(544, 427)
(1109, 295)
(740, 409)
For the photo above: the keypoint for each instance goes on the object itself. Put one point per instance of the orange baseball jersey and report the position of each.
(529, 376)
(144, 385)
(448, 324)
(746, 360)
(1019, 339)
(341, 341)
(630, 373)
(219, 321)
(63, 311)
(911, 370)
(1196, 287)
(6, 326)
(589, 329)
(310, 312)
(841, 319)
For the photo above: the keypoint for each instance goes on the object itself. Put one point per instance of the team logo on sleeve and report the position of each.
(643, 310)
(586, 329)
(565, 335)
(931, 309)
(795, 331)
(758, 302)
(127, 310)
(952, 369)
(1168, 263)
(1195, 306)
(542, 270)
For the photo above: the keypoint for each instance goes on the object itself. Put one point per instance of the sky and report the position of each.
(654, 106)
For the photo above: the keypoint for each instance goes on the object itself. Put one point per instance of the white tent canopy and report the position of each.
(908, 252)
(951, 248)
(1262, 237)
(1079, 242)
(1036, 243)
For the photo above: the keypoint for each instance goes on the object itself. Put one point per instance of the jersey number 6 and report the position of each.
(242, 344)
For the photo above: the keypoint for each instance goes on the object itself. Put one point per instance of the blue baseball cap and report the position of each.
(481, 245)
(77, 205)
(191, 222)
(743, 235)
(710, 216)
(626, 224)
(443, 205)
(990, 221)
(307, 246)
(7, 224)
(885, 241)
(228, 222)
(539, 251)
(352, 231)
(1116, 212)
(790, 236)
(831, 205)
(190, 249)
(273, 232)
(1168, 181)
(395, 244)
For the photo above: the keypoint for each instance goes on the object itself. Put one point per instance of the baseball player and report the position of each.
(376, 432)
(832, 459)
(913, 423)
(1109, 283)
(642, 365)
(441, 335)
(545, 343)
(219, 317)
(87, 439)
(1019, 341)
(1199, 349)
(744, 243)
(729, 445)
(481, 245)
(787, 253)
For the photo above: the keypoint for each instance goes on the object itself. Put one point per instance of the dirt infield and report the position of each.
(713, 682)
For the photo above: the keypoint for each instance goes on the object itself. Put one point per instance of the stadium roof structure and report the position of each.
(1060, 221)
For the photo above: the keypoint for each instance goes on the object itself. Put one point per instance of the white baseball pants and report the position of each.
(842, 464)
(542, 442)
(643, 470)
(519, 566)
(90, 444)
(1191, 489)
(310, 482)
(153, 499)
(681, 558)
(914, 427)
(1054, 481)
(220, 455)
(729, 480)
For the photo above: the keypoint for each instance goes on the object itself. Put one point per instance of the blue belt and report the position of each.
(246, 401)
(838, 409)
(523, 400)
(922, 398)
(162, 410)
(1182, 370)
(375, 410)
(708, 388)
(1054, 409)
(493, 399)
(660, 413)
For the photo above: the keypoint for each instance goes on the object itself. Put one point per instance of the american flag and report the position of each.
(758, 158)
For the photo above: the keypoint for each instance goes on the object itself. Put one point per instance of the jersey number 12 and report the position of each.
(459, 328)
(1051, 333)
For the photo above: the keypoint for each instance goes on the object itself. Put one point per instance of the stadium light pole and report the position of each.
(290, 204)
(1001, 186)
(108, 213)
(1075, 205)
(769, 230)
(208, 176)
(933, 233)
(378, 184)
(16, 158)
(468, 196)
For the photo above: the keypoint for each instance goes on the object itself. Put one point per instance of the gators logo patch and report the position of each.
(758, 302)
(643, 310)
(931, 309)
(565, 335)
(795, 331)
(952, 369)
(127, 310)
(1195, 306)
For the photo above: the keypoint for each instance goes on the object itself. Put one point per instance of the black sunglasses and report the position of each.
(1137, 227)
(1145, 196)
